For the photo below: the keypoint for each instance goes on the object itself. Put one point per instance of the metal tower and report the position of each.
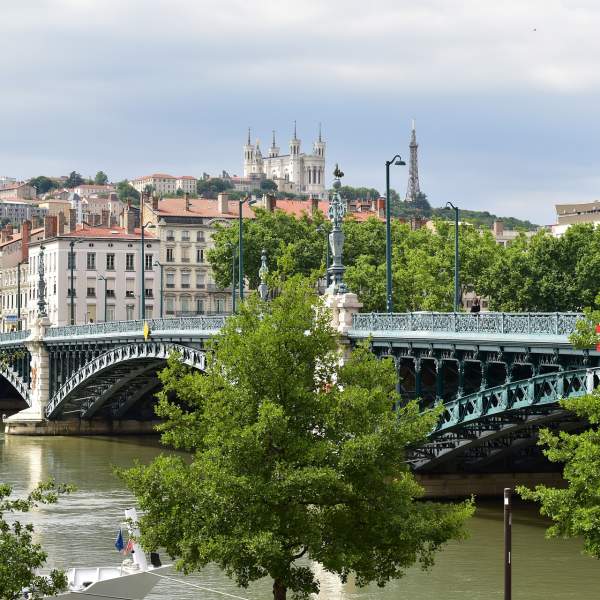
(413, 190)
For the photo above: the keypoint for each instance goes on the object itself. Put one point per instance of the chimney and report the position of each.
(72, 219)
(50, 226)
(269, 202)
(2, 235)
(187, 202)
(129, 221)
(104, 218)
(498, 228)
(9, 231)
(61, 222)
(223, 203)
(155, 202)
(314, 205)
(381, 207)
(25, 238)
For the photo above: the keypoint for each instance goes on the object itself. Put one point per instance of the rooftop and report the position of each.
(17, 235)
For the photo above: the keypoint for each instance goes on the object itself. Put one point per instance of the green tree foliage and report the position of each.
(545, 273)
(127, 193)
(21, 558)
(574, 510)
(268, 185)
(73, 180)
(358, 193)
(101, 178)
(293, 456)
(210, 188)
(43, 184)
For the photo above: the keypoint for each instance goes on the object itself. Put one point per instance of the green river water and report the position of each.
(80, 531)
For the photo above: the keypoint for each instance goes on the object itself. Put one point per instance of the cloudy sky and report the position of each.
(506, 95)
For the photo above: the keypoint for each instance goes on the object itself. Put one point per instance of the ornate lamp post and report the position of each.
(21, 262)
(337, 211)
(41, 285)
(263, 288)
(72, 269)
(159, 264)
(103, 278)
(388, 236)
(456, 258)
(241, 202)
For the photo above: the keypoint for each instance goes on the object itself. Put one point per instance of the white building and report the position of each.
(570, 214)
(166, 185)
(87, 189)
(107, 275)
(296, 172)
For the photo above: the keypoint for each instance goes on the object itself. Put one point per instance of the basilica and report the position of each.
(296, 172)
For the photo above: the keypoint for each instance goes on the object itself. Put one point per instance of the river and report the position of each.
(81, 529)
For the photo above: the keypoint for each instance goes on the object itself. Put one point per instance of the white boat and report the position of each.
(132, 580)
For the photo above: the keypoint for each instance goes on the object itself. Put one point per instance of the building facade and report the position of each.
(166, 185)
(571, 214)
(17, 191)
(296, 172)
(107, 275)
(17, 212)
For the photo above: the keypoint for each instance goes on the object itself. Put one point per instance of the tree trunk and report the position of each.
(279, 590)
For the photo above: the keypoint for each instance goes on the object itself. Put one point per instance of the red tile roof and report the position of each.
(17, 236)
(107, 232)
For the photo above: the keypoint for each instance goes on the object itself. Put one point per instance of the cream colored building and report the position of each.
(571, 214)
(166, 185)
(17, 191)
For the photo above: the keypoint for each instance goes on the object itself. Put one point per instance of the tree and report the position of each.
(21, 557)
(101, 178)
(127, 193)
(209, 188)
(73, 180)
(293, 455)
(43, 184)
(268, 185)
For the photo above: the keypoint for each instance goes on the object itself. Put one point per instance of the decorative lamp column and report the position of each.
(337, 212)
(263, 288)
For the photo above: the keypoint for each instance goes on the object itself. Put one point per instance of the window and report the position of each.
(200, 306)
(110, 262)
(170, 305)
(185, 304)
(170, 257)
(91, 261)
(129, 265)
(129, 312)
(170, 279)
(200, 285)
(110, 312)
(149, 312)
(199, 236)
(149, 288)
(220, 305)
(185, 236)
(199, 255)
(148, 262)
(185, 254)
(170, 235)
(129, 288)
(91, 292)
(185, 279)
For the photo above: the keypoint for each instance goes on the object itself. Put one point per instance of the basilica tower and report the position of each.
(248, 156)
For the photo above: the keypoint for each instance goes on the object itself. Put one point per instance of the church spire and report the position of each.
(320, 132)
(413, 191)
(273, 143)
(295, 136)
(248, 136)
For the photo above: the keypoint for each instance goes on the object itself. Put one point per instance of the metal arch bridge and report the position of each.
(499, 375)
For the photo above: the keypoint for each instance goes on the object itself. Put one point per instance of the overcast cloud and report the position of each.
(506, 95)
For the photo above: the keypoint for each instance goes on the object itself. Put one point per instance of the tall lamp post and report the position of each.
(241, 202)
(233, 249)
(157, 263)
(397, 161)
(323, 230)
(72, 270)
(19, 294)
(456, 257)
(103, 278)
(143, 241)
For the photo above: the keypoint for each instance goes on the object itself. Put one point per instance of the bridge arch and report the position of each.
(121, 375)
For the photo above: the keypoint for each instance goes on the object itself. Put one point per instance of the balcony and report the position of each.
(149, 293)
(200, 286)
(170, 238)
(129, 294)
(185, 286)
(170, 286)
(110, 293)
(185, 259)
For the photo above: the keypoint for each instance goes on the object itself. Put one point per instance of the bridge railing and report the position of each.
(562, 324)
(14, 336)
(137, 326)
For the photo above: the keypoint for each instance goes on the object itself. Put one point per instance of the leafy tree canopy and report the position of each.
(358, 193)
(21, 557)
(127, 193)
(73, 180)
(209, 188)
(293, 456)
(43, 184)
(268, 185)
(101, 178)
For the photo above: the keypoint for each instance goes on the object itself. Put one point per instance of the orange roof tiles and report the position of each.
(107, 232)
(17, 236)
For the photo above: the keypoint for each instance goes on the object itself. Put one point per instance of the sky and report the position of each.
(506, 95)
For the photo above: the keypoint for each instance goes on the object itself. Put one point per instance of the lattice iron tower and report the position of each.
(413, 191)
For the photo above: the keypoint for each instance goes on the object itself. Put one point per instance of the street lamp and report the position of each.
(157, 263)
(102, 278)
(241, 202)
(323, 230)
(456, 257)
(142, 229)
(233, 249)
(19, 293)
(72, 269)
(397, 161)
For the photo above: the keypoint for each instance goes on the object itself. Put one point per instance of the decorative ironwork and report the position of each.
(129, 352)
(7, 339)
(554, 324)
(263, 288)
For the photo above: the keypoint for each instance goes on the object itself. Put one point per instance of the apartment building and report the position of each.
(17, 212)
(14, 254)
(107, 273)
(164, 184)
(17, 191)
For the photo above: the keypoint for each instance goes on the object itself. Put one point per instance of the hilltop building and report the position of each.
(166, 185)
(297, 172)
(570, 214)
